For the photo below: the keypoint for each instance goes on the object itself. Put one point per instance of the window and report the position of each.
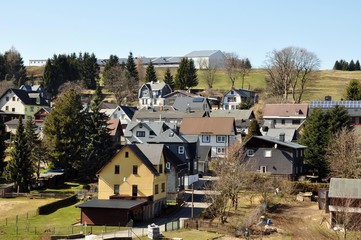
(163, 187)
(13, 109)
(206, 138)
(126, 154)
(7, 108)
(296, 153)
(140, 133)
(221, 139)
(180, 149)
(231, 99)
(263, 169)
(296, 121)
(160, 168)
(116, 189)
(135, 169)
(268, 153)
(250, 152)
(7, 99)
(134, 190)
(220, 150)
(156, 190)
(13, 98)
(31, 109)
(283, 121)
(116, 169)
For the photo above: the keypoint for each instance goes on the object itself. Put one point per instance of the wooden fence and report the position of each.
(209, 226)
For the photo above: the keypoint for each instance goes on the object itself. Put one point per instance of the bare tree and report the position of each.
(232, 65)
(343, 155)
(245, 69)
(140, 69)
(209, 70)
(289, 71)
(116, 81)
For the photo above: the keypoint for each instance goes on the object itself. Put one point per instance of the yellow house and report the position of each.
(136, 172)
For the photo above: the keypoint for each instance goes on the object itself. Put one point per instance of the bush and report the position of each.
(52, 207)
(307, 187)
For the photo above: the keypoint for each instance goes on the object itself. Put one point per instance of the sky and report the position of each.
(38, 29)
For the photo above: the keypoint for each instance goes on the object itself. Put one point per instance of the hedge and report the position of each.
(307, 187)
(52, 207)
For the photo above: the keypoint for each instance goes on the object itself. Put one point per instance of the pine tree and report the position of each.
(357, 66)
(2, 67)
(338, 119)
(168, 78)
(150, 75)
(50, 83)
(353, 90)
(351, 66)
(63, 129)
(186, 76)
(112, 62)
(337, 66)
(316, 138)
(35, 145)
(98, 144)
(2, 145)
(89, 70)
(132, 68)
(20, 169)
(192, 80)
(253, 130)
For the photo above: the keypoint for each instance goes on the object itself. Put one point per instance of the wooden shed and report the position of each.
(115, 212)
(6, 188)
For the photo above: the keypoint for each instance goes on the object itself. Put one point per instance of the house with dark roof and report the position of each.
(16, 102)
(217, 133)
(275, 155)
(205, 59)
(189, 104)
(152, 94)
(114, 111)
(140, 176)
(142, 132)
(344, 198)
(170, 98)
(285, 115)
(233, 98)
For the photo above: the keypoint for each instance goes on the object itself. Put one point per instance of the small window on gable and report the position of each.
(268, 153)
(160, 168)
(180, 149)
(13, 98)
(250, 152)
(7, 108)
(135, 169)
(116, 169)
(156, 190)
(116, 189)
(126, 154)
(7, 99)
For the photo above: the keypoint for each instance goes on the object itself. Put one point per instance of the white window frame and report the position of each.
(250, 152)
(221, 139)
(220, 150)
(206, 138)
(116, 189)
(262, 169)
(137, 134)
(181, 150)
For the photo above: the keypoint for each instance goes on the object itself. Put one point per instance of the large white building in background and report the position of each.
(202, 60)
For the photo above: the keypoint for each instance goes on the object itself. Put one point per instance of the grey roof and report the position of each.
(168, 136)
(201, 53)
(165, 115)
(191, 138)
(156, 127)
(345, 188)
(183, 103)
(152, 151)
(275, 133)
(237, 114)
(156, 85)
(204, 152)
(112, 203)
(278, 142)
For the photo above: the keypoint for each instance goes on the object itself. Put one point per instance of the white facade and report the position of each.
(207, 59)
(231, 100)
(10, 103)
(37, 63)
(152, 94)
(218, 143)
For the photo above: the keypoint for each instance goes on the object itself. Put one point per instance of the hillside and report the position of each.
(330, 82)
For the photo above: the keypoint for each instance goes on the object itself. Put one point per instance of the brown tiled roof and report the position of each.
(209, 126)
(286, 110)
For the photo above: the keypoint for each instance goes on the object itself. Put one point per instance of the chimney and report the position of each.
(282, 137)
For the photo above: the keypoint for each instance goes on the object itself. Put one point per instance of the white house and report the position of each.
(285, 115)
(234, 97)
(152, 94)
(207, 59)
(37, 62)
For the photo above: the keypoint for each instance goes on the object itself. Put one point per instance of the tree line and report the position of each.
(343, 65)
(76, 140)
(12, 67)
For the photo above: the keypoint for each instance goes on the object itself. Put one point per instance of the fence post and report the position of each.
(17, 217)
(72, 229)
(35, 230)
(165, 227)
(6, 221)
(178, 223)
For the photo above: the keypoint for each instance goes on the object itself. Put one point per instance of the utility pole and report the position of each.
(192, 200)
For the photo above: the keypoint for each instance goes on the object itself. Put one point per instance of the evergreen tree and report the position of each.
(14, 67)
(338, 119)
(89, 70)
(2, 67)
(98, 144)
(63, 129)
(2, 145)
(132, 69)
(353, 90)
(186, 76)
(35, 145)
(357, 66)
(20, 169)
(50, 81)
(112, 62)
(351, 66)
(337, 66)
(150, 75)
(253, 130)
(316, 138)
(168, 78)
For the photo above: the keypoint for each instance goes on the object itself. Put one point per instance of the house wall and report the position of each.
(104, 216)
(229, 140)
(285, 122)
(234, 102)
(30, 110)
(145, 179)
(17, 104)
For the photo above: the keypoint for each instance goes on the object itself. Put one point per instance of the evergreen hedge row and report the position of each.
(52, 207)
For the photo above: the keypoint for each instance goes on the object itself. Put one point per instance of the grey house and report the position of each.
(276, 156)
